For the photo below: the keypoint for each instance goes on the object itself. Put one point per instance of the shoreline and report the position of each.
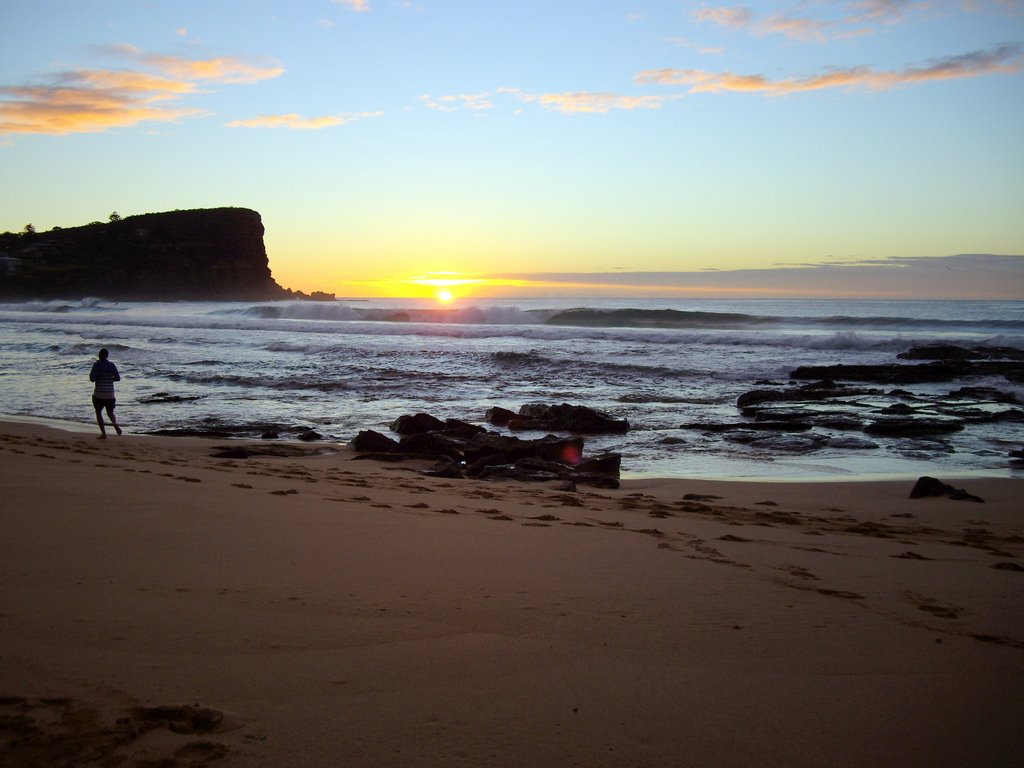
(160, 604)
(1010, 472)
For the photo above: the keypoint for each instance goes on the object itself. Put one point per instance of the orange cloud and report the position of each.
(586, 101)
(297, 122)
(222, 69)
(1005, 59)
(852, 16)
(91, 100)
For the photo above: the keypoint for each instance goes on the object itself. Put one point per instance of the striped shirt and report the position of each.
(104, 373)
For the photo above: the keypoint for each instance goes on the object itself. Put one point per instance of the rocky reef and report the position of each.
(204, 254)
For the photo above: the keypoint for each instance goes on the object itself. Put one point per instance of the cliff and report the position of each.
(205, 254)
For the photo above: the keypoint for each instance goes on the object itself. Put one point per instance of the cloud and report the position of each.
(586, 101)
(964, 276)
(222, 69)
(682, 42)
(455, 102)
(567, 103)
(736, 17)
(325, 24)
(92, 100)
(1004, 59)
(839, 19)
(359, 6)
(297, 122)
(794, 27)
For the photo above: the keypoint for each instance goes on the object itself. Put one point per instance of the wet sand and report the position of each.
(304, 609)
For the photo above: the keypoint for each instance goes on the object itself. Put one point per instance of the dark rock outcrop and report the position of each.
(461, 449)
(576, 419)
(930, 486)
(946, 362)
(204, 254)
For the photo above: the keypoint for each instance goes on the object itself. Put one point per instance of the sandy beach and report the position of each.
(160, 606)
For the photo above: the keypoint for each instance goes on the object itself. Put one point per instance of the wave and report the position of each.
(683, 319)
(340, 312)
(54, 306)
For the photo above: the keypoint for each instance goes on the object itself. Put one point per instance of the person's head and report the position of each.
(103, 354)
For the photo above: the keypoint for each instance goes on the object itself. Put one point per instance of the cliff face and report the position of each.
(206, 254)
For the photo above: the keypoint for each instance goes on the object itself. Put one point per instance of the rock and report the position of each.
(500, 417)
(578, 419)
(897, 427)
(373, 442)
(820, 390)
(270, 435)
(416, 424)
(447, 469)
(1017, 453)
(541, 465)
(565, 450)
(759, 426)
(310, 435)
(930, 486)
(605, 464)
(936, 352)
(987, 394)
(430, 444)
(898, 409)
(851, 444)
(232, 453)
(467, 450)
(954, 352)
(939, 370)
(782, 443)
(161, 398)
(463, 429)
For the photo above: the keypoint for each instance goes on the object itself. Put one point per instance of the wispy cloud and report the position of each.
(297, 122)
(736, 17)
(588, 101)
(222, 69)
(92, 100)
(682, 42)
(813, 21)
(359, 6)
(567, 103)
(454, 102)
(1004, 59)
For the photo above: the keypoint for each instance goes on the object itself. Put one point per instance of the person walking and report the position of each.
(104, 373)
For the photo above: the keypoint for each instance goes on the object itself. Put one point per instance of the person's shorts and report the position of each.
(99, 405)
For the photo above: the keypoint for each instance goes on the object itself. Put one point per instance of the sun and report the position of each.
(445, 297)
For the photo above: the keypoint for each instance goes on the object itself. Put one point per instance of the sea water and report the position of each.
(344, 366)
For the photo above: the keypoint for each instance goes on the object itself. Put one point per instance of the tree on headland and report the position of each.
(115, 216)
(29, 229)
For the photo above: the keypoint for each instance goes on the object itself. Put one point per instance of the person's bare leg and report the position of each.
(99, 420)
(113, 421)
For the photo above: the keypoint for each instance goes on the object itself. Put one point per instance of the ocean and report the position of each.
(350, 365)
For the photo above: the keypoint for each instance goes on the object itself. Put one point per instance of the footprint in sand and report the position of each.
(932, 606)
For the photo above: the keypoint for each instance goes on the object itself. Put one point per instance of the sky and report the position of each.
(653, 148)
